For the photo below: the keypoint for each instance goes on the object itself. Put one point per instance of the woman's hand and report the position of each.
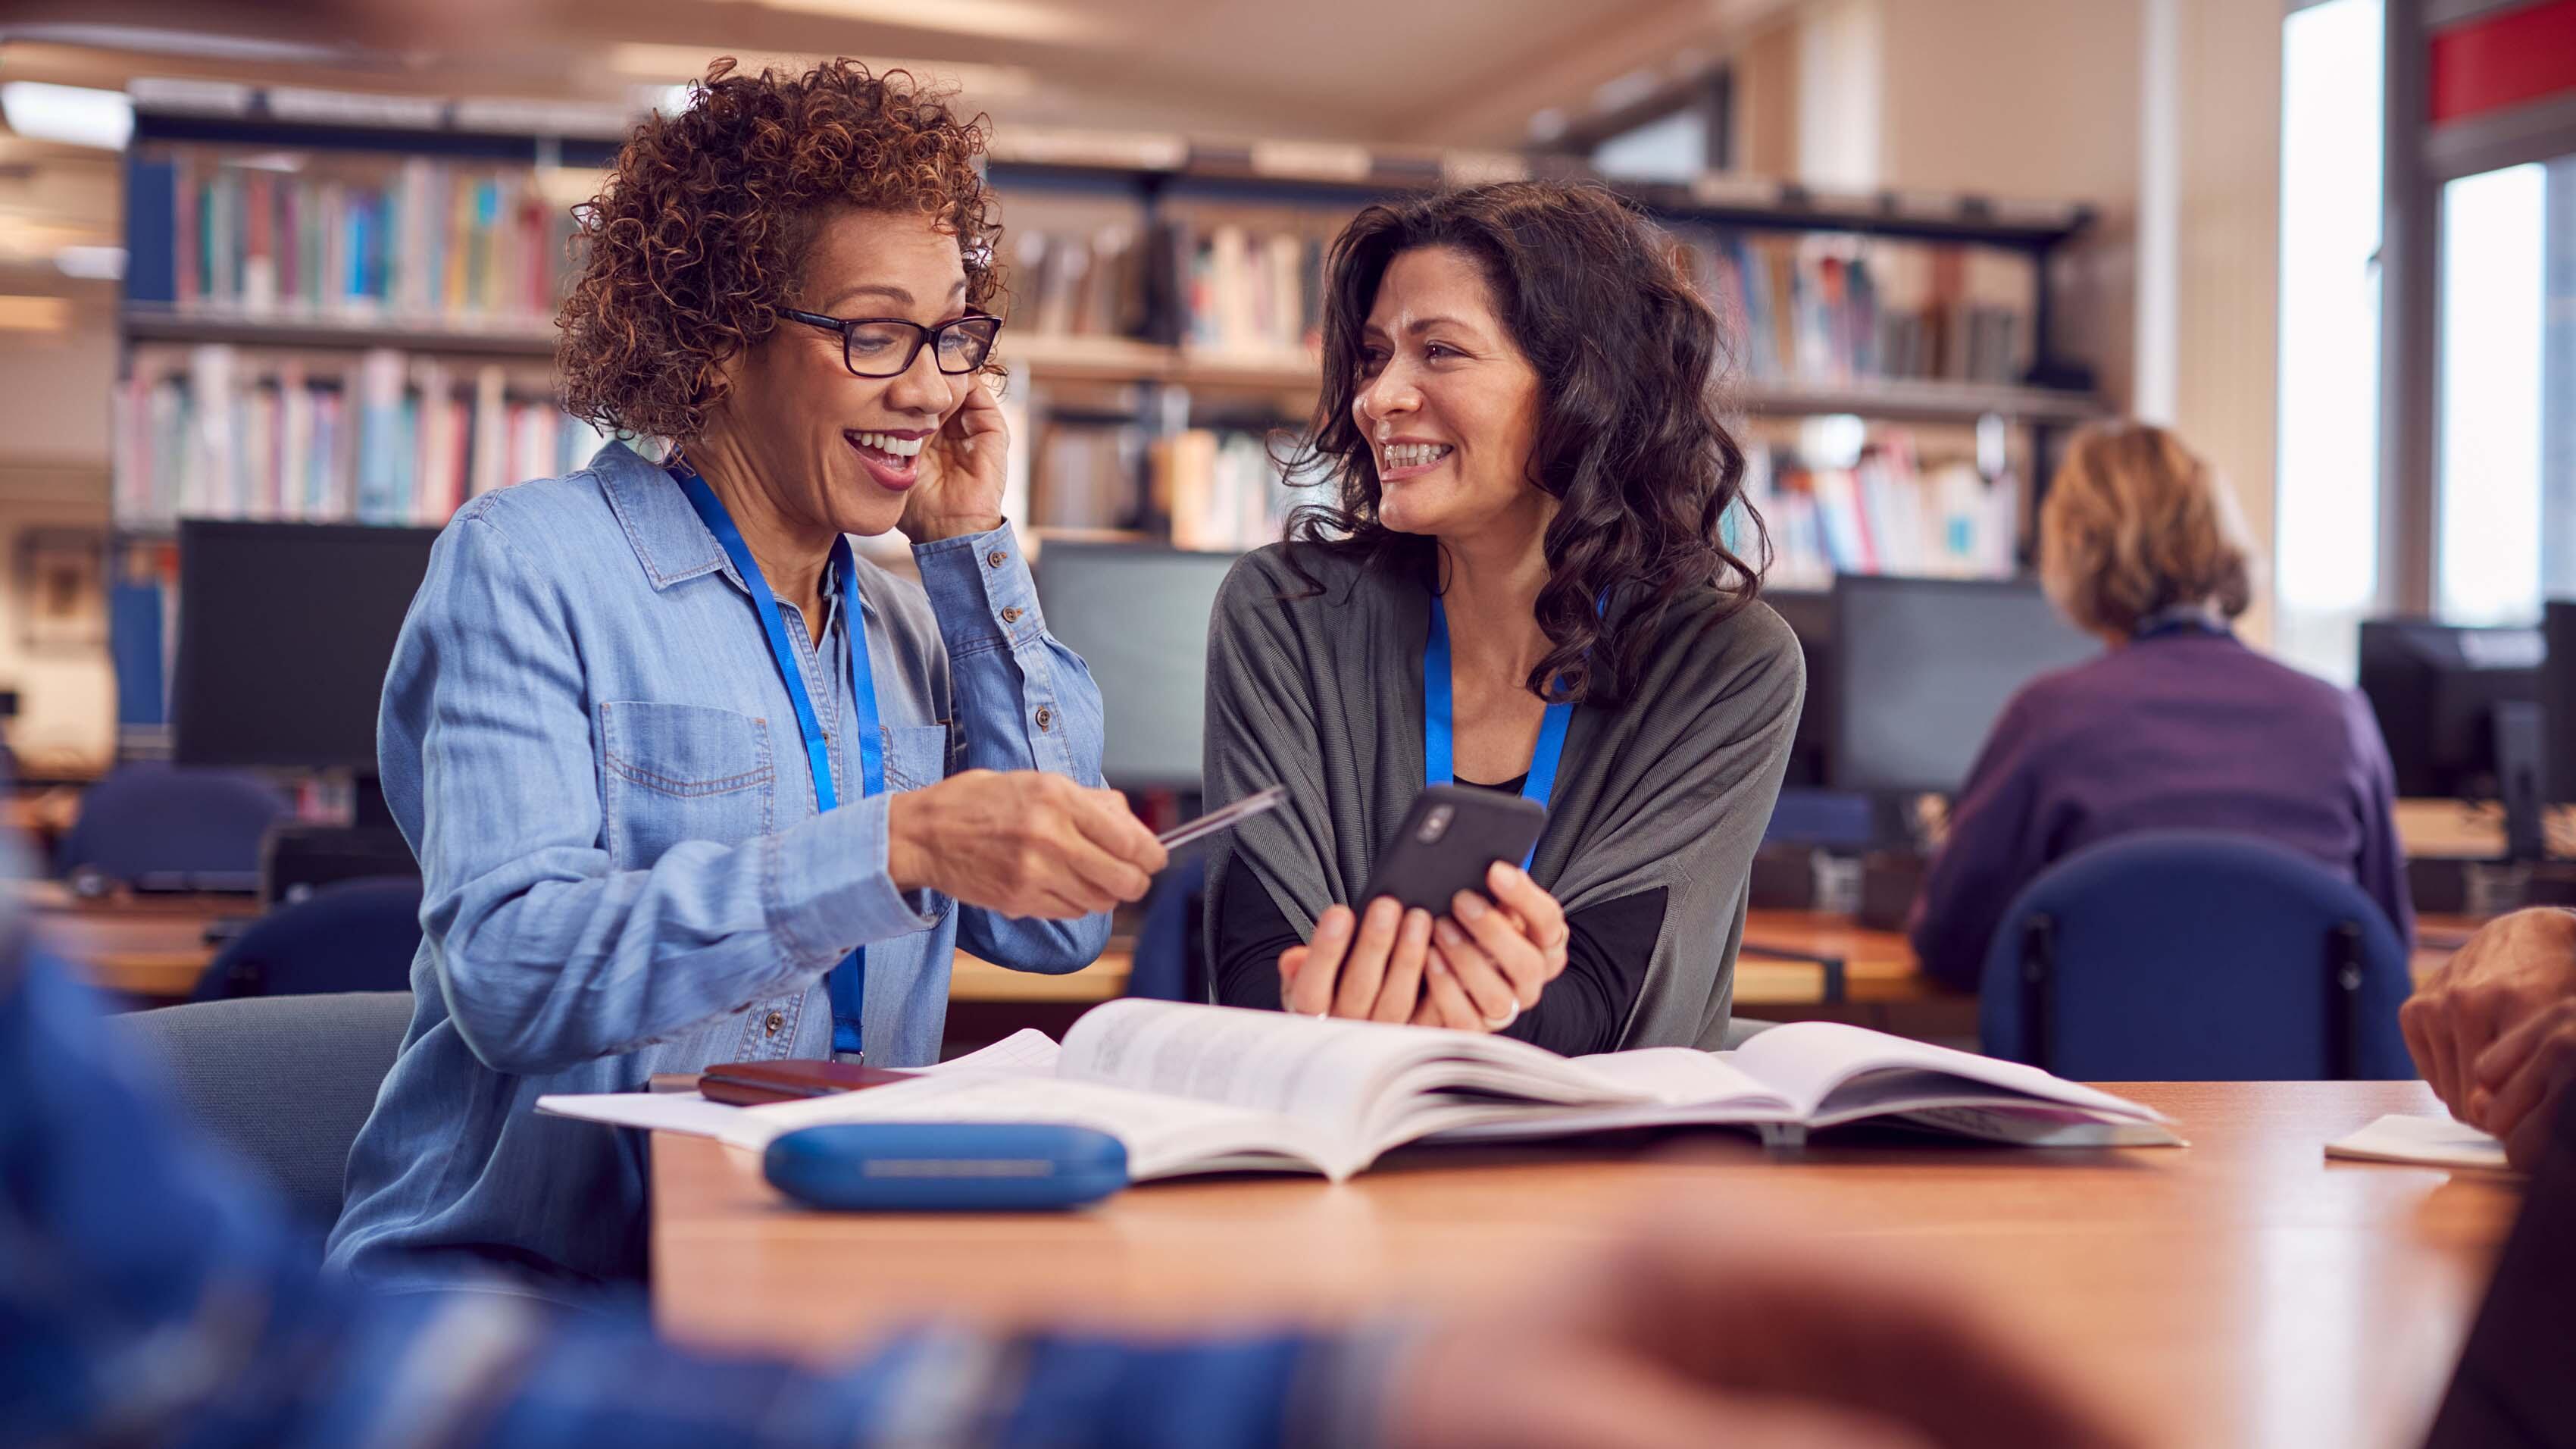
(2515, 968)
(1473, 971)
(1365, 967)
(1491, 959)
(1025, 844)
(962, 470)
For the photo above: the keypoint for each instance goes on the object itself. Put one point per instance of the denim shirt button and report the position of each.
(1046, 716)
(776, 1021)
(1011, 615)
(997, 558)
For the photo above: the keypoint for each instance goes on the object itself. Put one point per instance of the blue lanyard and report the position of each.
(1438, 736)
(848, 979)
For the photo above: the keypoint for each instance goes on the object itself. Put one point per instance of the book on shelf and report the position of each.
(1888, 512)
(1068, 281)
(1241, 289)
(373, 437)
(1197, 1089)
(1836, 308)
(1221, 491)
(1227, 288)
(324, 237)
(1088, 475)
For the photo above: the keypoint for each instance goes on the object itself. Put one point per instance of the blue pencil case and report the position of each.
(929, 1167)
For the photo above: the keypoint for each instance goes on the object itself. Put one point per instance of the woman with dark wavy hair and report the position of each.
(689, 781)
(1520, 420)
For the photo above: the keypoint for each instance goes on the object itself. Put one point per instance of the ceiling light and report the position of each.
(92, 264)
(998, 19)
(72, 115)
(194, 44)
(654, 62)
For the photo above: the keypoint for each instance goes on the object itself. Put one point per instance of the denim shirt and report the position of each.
(586, 740)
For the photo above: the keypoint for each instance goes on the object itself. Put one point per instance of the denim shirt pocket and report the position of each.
(677, 772)
(916, 756)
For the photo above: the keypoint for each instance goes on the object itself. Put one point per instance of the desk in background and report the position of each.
(151, 949)
(2238, 1291)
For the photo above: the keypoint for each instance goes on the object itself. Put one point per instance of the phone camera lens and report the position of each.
(1435, 823)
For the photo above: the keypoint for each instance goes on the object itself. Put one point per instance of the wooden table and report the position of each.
(151, 948)
(2238, 1291)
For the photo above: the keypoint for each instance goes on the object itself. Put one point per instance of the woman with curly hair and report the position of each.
(1519, 416)
(689, 782)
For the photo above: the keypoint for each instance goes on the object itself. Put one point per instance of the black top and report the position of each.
(1584, 1010)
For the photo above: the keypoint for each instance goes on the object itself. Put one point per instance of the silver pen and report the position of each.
(1225, 816)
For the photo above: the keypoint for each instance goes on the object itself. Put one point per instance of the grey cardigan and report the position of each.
(1322, 692)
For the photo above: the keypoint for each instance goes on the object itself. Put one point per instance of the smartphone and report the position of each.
(1450, 837)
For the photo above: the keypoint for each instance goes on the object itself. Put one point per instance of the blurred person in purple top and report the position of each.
(2178, 726)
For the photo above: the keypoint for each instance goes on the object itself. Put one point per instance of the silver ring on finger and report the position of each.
(1506, 1019)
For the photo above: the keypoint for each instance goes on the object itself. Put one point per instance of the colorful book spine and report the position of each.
(423, 241)
(383, 438)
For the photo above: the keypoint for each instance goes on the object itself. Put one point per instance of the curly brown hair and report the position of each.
(702, 226)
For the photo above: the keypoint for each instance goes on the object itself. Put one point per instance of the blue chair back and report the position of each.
(2196, 956)
(1167, 964)
(285, 1083)
(351, 935)
(153, 823)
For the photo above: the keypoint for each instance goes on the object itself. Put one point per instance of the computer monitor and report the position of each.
(1921, 669)
(1138, 615)
(2440, 691)
(2558, 698)
(285, 632)
(1809, 613)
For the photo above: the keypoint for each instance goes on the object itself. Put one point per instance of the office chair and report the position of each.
(1168, 964)
(2196, 956)
(351, 935)
(284, 1081)
(152, 824)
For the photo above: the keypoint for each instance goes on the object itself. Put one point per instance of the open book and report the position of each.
(1194, 1089)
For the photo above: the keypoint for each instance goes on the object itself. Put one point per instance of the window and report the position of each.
(2326, 560)
(2489, 443)
(2508, 382)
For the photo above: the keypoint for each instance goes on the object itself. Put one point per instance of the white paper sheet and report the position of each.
(2424, 1141)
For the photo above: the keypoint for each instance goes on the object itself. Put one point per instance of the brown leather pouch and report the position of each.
(753, 1084)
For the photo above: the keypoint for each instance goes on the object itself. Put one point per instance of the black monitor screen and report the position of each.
(2558, 698)
(1810, 616)
(1138, 615)
(285, 630)
(1922, 668)
(2434, 689)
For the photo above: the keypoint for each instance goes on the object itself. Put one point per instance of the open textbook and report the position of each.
(1193, 1089)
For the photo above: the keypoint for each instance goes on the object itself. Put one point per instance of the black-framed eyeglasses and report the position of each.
(886, 346)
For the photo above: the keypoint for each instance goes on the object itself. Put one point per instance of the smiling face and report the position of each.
(835, 451)
(1448, 402)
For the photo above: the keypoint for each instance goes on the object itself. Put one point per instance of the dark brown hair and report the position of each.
(1630, 440)
(701, 229)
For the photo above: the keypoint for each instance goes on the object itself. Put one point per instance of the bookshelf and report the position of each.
(1163, 312)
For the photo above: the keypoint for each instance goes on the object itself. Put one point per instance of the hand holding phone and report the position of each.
(1450, 932)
